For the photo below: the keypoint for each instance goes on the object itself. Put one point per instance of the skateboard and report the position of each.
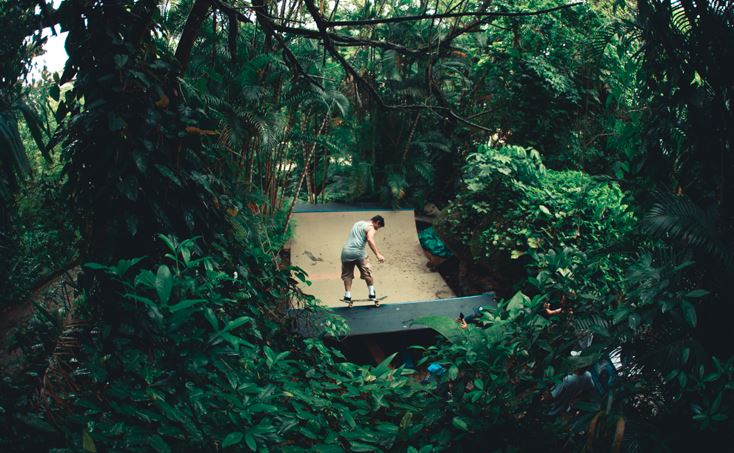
(363, 300)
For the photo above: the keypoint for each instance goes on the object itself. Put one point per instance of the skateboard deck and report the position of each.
(379, 299)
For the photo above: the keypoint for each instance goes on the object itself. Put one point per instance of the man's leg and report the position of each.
(365, 273)
(347, 277)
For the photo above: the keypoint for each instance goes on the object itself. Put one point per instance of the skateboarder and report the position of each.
(354, 254)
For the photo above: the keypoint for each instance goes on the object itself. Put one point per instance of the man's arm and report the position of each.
(373, 245)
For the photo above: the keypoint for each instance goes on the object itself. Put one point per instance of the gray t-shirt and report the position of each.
(354, 249)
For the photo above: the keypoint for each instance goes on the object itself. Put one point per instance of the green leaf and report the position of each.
(114, 122)
(211, 318)
(54, 92)
(689, 312)
(384, 366)
(168, 173)
(11, 144)
(518, 302)
(164, 283)
(124, 265)
(634, 321)
(460, 424)
(347, 416)
(34, 123)
(361, 447)
(129, 187)
(443, 325)
(185, 304)
(120, 61)
(453, 372)
(169, 241)
(158, 444)
(479, 384)
(544, 210)
(132, 223)
(533, 243)
(233, 438)
(236, 323)
(250, 441)
(407, 420)
(88, 442)
(696, 293)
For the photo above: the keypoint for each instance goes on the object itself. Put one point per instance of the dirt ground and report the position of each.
(403, 277)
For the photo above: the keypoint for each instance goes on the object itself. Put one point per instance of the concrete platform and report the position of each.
(367, 320)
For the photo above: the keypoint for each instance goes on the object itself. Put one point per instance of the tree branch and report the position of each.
(270, 28)
(232, 36)
(392, 20)
(329, 46)
(191, 31)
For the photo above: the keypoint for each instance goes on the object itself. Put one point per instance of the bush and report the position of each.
(201, 369)
(559, 222)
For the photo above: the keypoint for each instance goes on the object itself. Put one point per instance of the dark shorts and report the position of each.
(365, 270)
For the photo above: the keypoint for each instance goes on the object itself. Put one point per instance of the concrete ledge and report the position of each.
(395, 317)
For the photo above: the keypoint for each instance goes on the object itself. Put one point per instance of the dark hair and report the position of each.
(380, 221)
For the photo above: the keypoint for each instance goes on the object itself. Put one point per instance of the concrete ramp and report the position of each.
(410, 289)
(320, 233)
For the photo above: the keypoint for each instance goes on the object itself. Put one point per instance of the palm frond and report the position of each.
(391, 65)
(412, 92)
(624, 30)
(321, 140)
(13, 158)
(678, 217)
(679, 18)
(591, 323)
(34, 123)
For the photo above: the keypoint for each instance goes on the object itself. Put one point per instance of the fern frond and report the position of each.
(426, 171)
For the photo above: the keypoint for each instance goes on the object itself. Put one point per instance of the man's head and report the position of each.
(378, 222)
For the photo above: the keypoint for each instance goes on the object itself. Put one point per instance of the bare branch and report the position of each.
(329, 46)
(482, 14)
(270, 28)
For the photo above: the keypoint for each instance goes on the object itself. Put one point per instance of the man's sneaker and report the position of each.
(348, 300)
(373, 298)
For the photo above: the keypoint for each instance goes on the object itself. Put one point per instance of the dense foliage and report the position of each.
(580, 153)
(514, 208)
(216, 376)
(579, 246)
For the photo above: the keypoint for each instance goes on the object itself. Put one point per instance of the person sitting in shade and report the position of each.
(354, 255)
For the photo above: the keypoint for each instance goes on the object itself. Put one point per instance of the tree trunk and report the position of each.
(190, 32)
(306, 163)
